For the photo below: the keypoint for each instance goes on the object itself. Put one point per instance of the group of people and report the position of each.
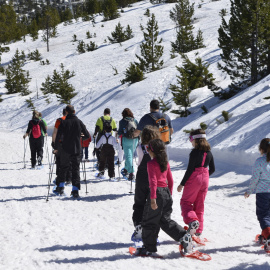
(154, 182)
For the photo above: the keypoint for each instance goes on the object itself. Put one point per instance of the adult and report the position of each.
(127, 125)
(102, 121)
(55, 130)
(149, 118)
(70, 131)
(46, 126)
(35, 126)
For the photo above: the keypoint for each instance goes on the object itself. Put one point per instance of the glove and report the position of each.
(53, 145)
(24, 136)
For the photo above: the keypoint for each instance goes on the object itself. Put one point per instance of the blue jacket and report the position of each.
(260, 181)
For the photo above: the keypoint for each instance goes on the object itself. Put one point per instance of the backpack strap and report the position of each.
(204, 157)
(107, 138)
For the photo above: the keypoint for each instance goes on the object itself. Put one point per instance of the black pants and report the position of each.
(69, 162)
(141, 193)
(159, 218)
(58, 166)
(36, 147)
(107, 157)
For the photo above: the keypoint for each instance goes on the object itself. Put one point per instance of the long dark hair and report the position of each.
(157, 146)
(200, 143)
(149, 133)
(127, 113)
(265, 148)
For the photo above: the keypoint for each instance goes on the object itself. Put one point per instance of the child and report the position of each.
(158, 208)
(196, 181)
(260, 184)
(106, 143)
(85, 145)
(142, 184)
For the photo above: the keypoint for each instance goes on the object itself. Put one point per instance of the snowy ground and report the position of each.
(94, 233)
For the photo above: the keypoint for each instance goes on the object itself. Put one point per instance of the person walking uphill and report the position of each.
(34, 131)
(102, 122)
(127, 127)
(196, 181)
(70, 131)
(260, 184)
(158, 208)
(157, 119)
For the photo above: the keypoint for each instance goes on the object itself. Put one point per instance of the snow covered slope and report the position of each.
(98, 88)
(94, 233)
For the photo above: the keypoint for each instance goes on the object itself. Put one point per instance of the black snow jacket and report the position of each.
(70, 132)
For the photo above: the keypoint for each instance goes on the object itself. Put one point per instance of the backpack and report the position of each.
(106, 123)
(130, 128)
(163, 127)
(106, 146)
(36, 132)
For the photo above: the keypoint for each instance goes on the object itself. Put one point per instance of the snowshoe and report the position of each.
(267, 246)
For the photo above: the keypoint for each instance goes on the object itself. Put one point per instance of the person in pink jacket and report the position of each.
(195, 182)
(158, 208)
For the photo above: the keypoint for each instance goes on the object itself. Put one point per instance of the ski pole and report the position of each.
(94, 154)
(118, 162)
(50, 176)
(132, 167)
(48, 156)
(85, 177)
(24, 166)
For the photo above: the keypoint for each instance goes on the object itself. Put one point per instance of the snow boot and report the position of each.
(39, 161)
(193, 226)
(137, 234)
(59, 191)
(131, 177)
(124, 172)
(75, 194)
(143, 252)
(100, 175)
(186, 244)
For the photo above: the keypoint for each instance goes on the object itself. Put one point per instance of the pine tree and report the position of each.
(49, 23)
(9, 29)
(244, 41)
(133, 74)
(58, 84)
(192, 76)
(120, 35)
(33, 30)
(17, 80)
(181, 95)
(81, 47)
(151, 50)
(35, 55)
(110, 11)
(182, 15)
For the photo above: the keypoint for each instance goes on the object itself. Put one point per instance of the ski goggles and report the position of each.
(197, 136)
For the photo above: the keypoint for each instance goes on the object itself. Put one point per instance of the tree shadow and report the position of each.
(23, 186)
(81, 260)
(98, 246)
(241, 266)
(26, 199)
(101, 198)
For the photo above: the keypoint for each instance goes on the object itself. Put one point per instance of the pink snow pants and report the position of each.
(195, 190)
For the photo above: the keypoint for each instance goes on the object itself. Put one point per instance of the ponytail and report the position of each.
(157, 146)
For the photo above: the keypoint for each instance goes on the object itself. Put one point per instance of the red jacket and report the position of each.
(85, 143)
